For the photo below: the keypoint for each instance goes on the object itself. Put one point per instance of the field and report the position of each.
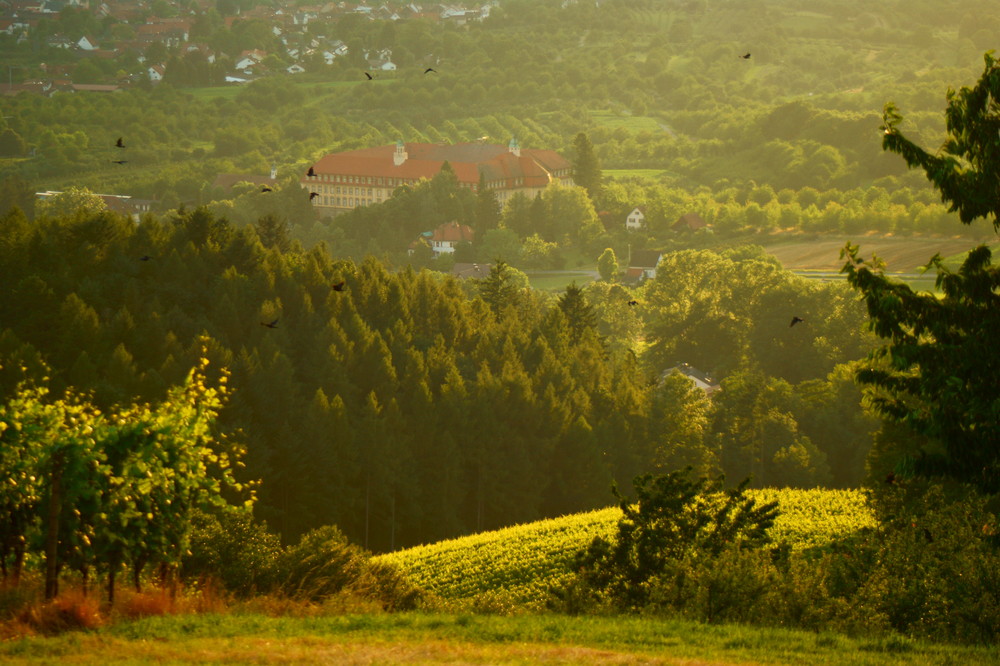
(523, 561)
(418, 638)
(904, 255)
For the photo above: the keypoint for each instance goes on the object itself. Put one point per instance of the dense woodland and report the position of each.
(412, 406)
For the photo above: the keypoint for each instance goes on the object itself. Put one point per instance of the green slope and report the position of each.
(522, 562)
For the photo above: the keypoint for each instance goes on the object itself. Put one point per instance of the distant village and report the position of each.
(143, 34)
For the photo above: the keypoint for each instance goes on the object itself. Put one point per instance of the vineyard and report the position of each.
(524, 561)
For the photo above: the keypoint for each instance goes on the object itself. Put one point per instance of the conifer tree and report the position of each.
(586, 167)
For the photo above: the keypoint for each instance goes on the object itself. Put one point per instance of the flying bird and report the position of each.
(145, 257)
(795, 320)
(370, 77)
(746, 56)
(120, 161)
(430, 69)
(633, 302)
(119, 143)
(273, 324)
(313, 195)
(311, 172)
(265, 189)
(339, 286)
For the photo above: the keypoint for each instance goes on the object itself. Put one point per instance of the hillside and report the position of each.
(520, 564)
(900, 254)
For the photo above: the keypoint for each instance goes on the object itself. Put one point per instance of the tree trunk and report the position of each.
(52, 529)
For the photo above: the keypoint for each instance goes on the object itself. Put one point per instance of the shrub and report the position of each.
(69, 611)
(233, 550)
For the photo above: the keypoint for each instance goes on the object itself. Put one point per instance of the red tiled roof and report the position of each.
(424, 160)
(453, 232)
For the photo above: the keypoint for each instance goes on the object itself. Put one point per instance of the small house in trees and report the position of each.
(697, 377)
(642, 265)
(447, 236)
(156, 73)
(689, 222)
(636, 219)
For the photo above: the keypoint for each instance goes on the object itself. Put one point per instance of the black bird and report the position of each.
(339, 286)
(430, 69)
(890, 478)
(310, 173)
(313, 195)
(370, 77)
(273, 324)
(265, 189)
(119, 143)
(795, 320)
(927, 535)
(120, 161)
(746, 56)
(145, 257)
(633, 302)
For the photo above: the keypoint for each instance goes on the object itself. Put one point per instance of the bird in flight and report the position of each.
(145, 257)
(370, 77)
(311, 172)
(273, 324)
(339, 286)
(633, 302)
(795, 320)
(265, 189)
(120, 143)
(313, 195)
(430, 69)
(746, 56)
(120, 161)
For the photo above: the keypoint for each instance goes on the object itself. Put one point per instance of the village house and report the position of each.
(360, 177)
(689, 222)
(642, 265)
(636, 219)
(447, 236)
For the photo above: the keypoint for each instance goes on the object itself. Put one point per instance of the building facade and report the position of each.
(355, 178)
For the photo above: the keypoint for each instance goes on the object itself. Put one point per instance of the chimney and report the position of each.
(400, 155)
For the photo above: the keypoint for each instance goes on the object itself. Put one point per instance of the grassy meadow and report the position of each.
(421, 638)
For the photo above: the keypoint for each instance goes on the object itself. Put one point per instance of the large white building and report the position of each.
(354, 178)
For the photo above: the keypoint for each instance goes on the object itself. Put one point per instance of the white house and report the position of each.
(155, 73)
(449, 235)
(85, 44)
(636, 219)
(295, 69)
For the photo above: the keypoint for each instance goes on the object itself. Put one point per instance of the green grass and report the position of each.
(647, 174)
(631, 123)
(436, 638)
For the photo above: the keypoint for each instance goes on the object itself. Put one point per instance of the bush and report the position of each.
(234, 551)
(324, 564)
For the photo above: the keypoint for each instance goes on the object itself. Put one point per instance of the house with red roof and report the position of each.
(447, 236)
(360, 177)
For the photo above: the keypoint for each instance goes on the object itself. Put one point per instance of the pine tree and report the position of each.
(586, 167)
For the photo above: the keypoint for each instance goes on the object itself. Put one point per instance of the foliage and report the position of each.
(933, 374)
(671, 518)
(95, 490)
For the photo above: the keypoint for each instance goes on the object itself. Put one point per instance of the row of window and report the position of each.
(362, 180)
